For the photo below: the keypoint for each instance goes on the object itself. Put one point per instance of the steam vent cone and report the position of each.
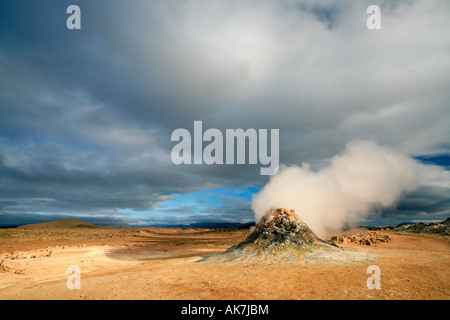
(281, 236)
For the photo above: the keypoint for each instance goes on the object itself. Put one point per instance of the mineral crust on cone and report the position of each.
(280, 229)
(281, 236)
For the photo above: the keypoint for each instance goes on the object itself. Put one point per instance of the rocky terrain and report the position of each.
(165, 263)
(438, 228)
(366, 238)
(373, 236)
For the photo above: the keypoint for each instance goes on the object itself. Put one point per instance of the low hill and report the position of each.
(439, 228)
(64, 223)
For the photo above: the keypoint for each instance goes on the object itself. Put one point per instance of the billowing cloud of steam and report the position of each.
(357, 183)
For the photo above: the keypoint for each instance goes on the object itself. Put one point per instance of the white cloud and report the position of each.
(105, 101)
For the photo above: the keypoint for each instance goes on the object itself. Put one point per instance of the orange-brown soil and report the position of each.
(151, 263)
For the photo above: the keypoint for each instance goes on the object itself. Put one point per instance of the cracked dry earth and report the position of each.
(150, 263)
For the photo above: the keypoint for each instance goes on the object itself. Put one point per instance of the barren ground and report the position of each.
(150, 263)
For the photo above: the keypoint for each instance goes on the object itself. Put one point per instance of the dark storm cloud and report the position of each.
(86, 115)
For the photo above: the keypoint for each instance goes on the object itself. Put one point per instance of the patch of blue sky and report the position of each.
(196, 203)
(442, 160)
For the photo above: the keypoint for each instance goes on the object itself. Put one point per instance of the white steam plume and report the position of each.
(363, 179)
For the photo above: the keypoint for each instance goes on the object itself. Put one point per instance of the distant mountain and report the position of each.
(404, 224)
(220, 225)
(64, 223)
(74, 223)
(115, 225)
(210, 225)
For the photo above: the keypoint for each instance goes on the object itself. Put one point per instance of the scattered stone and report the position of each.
(6, 268)
(21, 272)
(3, 267)
(368, 238)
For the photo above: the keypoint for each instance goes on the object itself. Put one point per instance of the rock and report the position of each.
(367, 239)
(4, 267)
(9, 268)
(21, 272)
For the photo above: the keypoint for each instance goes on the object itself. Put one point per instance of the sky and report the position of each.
(86, 116)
